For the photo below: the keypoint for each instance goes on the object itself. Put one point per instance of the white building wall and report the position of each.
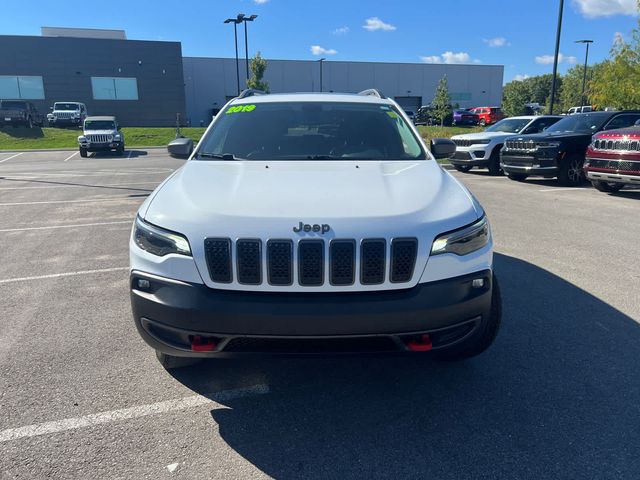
(209, 82)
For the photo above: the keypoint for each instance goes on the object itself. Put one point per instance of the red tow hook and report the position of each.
(421, 345)
(202, 344)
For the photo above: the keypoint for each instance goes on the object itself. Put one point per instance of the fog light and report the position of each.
(477, 283)
(143, 284)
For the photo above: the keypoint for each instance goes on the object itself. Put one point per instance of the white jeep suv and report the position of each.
(313, 222)
(483, 149)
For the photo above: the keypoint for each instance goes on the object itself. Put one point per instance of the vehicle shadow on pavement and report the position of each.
(556, 396)
(23, 132)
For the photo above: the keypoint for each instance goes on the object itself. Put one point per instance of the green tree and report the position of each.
(539, 87)
(571, 91)
(258, 66)
(515, 95)
(616, 82)
(442, 101)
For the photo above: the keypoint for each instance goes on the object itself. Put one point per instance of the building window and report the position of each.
(114, 88)
(27, 88)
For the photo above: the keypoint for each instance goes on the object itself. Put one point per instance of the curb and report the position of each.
(73, 149)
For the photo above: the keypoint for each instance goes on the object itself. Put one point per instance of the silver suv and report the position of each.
(101, 134)
(65, 114)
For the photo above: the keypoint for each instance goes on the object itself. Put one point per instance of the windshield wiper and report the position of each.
(323, 157)
(220, 156)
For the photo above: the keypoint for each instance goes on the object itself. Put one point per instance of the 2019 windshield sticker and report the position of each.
(241, 108)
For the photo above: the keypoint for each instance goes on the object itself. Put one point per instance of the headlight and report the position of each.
(463, 241)
(158, 241)
(76, 114)
(117, 136)
(82, 138)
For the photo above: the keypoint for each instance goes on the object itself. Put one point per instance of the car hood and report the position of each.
(100, 132)
(548, 136)
(266, 200)
(481, 135)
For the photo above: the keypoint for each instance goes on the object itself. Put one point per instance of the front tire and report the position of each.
(120, 150)
(571, 173)
(169, 362)
(483, 122)
(608, 187)
(463, 168)
(518, 177)
(83, 152)
(484, 337)
(494, 162)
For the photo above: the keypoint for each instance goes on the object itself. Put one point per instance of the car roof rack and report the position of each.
(373, 92)
(250, 92)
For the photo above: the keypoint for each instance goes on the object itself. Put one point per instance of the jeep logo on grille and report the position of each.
(306, 227)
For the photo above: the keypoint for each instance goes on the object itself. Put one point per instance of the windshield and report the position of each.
(311, 131)
(99, 125)
(66, 106)
(580, 122)
(509, 125)
(8, 105)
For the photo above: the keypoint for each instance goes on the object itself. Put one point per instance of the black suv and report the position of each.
(560, 150)
(424, 116)
(19, 113)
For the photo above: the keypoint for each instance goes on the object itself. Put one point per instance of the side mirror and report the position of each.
(442, 148)
(180, 147)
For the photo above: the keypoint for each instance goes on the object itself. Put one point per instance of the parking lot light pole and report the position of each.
(235, 22)
(555, 57)
(321, 60)
(246, 41)
(584, 75)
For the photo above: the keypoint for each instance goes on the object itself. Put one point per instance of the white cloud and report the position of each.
(318, 50)
(606, 8)
(260, 2)
(521, 77)
(341, 31)
(496, 42)
(449, 58)
(548, 59)
(374, 23)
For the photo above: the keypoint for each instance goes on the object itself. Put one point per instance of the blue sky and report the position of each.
(517, 34)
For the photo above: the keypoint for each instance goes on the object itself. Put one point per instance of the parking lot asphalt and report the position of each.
(81, 395)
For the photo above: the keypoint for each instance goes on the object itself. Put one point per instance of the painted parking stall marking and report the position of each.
(12, 156)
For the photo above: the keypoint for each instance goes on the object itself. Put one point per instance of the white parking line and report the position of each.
(12, 156)
(77, 225)
(60, 275)
(76, 186)
(25, 175)
(91, 420)
(560, 189)
(71, 156)
(107, 199)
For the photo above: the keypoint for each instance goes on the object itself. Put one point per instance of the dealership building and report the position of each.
(146, 83)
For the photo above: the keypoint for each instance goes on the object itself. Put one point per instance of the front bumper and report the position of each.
(475, 156)
(65, 121)
(100, 147)
(529, 164)
(169, 314)
(612, 177)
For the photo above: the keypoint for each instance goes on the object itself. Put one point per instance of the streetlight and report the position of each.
(244, 19)
(235, 22)
(555, 58)
(584, 76)
(321, 60)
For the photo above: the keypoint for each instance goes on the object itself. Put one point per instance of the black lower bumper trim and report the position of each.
(166, 313)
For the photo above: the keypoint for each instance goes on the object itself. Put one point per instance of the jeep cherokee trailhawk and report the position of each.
(313, 222)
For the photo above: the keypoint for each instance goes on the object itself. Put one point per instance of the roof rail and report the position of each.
(250, 92)
(373, 92)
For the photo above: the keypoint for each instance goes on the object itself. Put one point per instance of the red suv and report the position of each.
(613, 159)
(488, 115)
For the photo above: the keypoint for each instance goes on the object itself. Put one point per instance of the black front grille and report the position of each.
(461, 156)
(462, 143)
(342, 260)
(249, 258)
(280, 261)
(615, 165)
(521, 145)
(372, 261)
(311, 262)
(403, 259)
(218, 255)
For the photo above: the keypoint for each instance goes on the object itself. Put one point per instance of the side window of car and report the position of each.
(622, 121)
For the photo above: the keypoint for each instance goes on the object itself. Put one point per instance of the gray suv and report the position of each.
(67, 114)
(101, 134)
